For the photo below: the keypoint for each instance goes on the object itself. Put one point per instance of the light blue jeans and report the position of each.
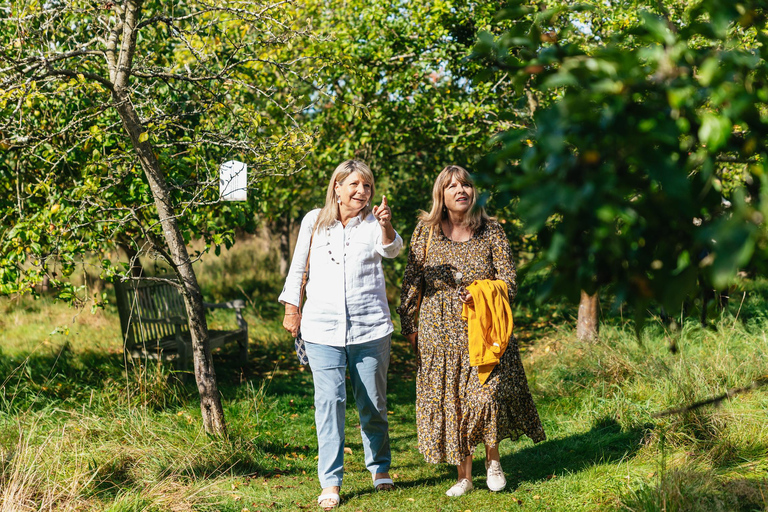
(368, 364)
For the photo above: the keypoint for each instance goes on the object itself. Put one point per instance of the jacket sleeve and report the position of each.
(503, 263)
(413, 280)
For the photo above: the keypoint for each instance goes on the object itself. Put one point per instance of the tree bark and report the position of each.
(587, 325)
(205, 376)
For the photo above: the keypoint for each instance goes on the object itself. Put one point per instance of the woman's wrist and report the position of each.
(387, 234)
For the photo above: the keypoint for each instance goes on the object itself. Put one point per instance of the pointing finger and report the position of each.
(383, 201)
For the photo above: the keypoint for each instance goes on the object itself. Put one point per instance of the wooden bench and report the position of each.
(154, 323)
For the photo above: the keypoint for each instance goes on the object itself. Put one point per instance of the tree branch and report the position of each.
(762, 381)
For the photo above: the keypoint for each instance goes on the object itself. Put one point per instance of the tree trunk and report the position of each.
(587, 324)
(284, 227)
(205, 376)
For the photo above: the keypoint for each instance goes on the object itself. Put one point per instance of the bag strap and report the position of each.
(426, 253)
(305, 275)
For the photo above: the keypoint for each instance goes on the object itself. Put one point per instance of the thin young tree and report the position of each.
(114, 119)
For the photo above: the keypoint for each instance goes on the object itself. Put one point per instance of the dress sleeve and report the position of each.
(503, 263)
(413, 280)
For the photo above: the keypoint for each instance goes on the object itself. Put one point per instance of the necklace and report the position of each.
(458, 275)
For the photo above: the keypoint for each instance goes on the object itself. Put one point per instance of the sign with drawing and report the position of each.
(233, 181)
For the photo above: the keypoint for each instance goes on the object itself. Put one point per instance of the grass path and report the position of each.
(78, 433)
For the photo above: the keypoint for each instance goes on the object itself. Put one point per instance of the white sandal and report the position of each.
(332, 496)
(383, 481)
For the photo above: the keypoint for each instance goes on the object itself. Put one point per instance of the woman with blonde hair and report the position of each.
(345, 320)
(458, 406)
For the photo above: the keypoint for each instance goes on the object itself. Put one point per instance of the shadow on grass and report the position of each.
(604, 443)
(35, 381)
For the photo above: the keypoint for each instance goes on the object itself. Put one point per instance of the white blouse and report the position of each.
(346, 300)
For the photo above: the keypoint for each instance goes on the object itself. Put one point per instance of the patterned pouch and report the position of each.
(301, 350)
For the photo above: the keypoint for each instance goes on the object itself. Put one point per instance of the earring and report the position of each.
(338, 200)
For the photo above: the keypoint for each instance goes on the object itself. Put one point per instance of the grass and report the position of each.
(81, 431)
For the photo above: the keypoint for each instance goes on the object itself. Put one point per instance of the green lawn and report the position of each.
(80, 432)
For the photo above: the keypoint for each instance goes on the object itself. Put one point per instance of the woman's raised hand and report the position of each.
(382, 212)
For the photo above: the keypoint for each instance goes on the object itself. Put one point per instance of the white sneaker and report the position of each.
(495, 476)
(460, 488)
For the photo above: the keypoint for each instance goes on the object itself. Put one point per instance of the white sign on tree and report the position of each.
(233, 181)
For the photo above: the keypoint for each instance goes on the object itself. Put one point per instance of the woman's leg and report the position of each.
(465, 469)
(496, 480)
(368, 365)
(329, 368)
(492, 453)
(464, 481)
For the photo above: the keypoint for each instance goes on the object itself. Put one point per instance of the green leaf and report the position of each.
(708, 70)
(714, 131)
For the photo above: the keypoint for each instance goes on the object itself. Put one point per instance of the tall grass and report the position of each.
(80, 430)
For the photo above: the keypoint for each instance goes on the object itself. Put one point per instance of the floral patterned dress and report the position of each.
(454, 412)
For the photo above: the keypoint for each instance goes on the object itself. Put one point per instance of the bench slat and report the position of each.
(153, 320)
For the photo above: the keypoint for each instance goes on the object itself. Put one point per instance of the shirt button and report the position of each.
(347, 243)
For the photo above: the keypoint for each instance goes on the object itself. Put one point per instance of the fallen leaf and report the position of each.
(348, 450)
(537, 497)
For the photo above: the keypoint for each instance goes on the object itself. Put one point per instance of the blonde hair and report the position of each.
(476, 216)
(330, 212)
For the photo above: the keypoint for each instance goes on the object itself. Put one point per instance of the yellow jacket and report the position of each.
(489, 320)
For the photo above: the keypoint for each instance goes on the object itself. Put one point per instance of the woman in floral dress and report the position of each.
(453, 245)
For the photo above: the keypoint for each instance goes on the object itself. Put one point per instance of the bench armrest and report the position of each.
(238, 305)
(232, 304)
